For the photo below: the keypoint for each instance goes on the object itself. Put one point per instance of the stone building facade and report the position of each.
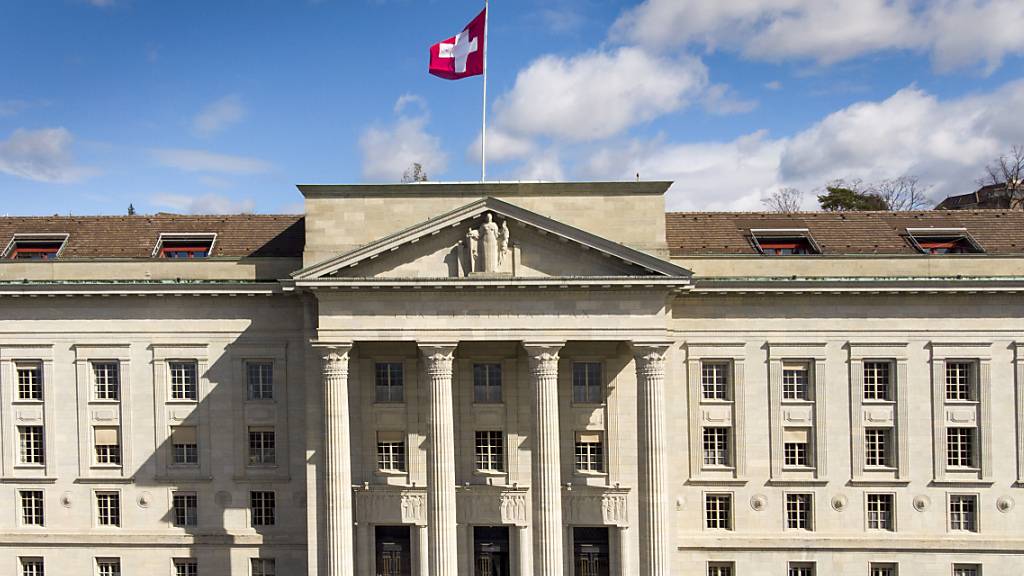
(512, 379)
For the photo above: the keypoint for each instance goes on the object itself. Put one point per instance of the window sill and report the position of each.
(183, 466)
(182, 402)
(589, 474)
(961, 402)
(99, 466)
(479, 403)
(707, 468)
(391, 473)
(489, 473)
(260, 401)
(30, 466)
(104, 402)
(261, 466)
(874, 402)
(590, 405)
(27, 402)
(389, 402)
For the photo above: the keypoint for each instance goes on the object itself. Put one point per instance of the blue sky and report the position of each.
(199, 106)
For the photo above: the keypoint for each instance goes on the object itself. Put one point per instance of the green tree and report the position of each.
(840, 196)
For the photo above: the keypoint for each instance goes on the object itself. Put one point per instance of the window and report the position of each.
(796, 447)
(108, 508)
(720, 569)
(487, 383)
(186, 509)
(388, 377)
(259, 378)
(587, 384)
(186, 567)
(263, 505)
(263, 567)
(966, 570)
(794, 381)
(31, 507)
(783, 241)
(35, 247)
(391, 451)
(108, 444)
(716, 446)
(183, 381)
(183, 442)
(261, 446)
(185, 246)
(876, 381)
(960, 381)
(801, 569)
(106, 380)
(108, 566)
(960, 447)
(30, 381)
(714, 380)
(490, 451)
(589, 452)
(963, 510)
(798, 511)
(31, 566)
(880, 509)
(883, 569)
(943, 241)
(718, 511)
(30, 445)
(876, 447)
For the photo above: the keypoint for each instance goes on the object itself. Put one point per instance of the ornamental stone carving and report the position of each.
(1005, 504)
(922, 503)
(486, 250)
(840, 502)
(601, 509)
(758, 502)
(384, 506)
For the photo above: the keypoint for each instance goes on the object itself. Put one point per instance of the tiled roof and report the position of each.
(837, 233)
(135, 236)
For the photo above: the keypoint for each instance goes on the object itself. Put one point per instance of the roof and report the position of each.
(244, 235)
(840, 233)
(989, 196)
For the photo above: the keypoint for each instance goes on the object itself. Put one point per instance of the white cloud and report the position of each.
(545, 165)
(218, 115)
(957, 33)
(409, 100)
(204, 204)
(388, 150)
(722, 100)
(596, 95)
(773, 85)
(501, 146)
(42, 155)
(209, 162)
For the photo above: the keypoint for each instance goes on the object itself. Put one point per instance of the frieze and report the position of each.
(492, 505)
(597, 507)
(396, 506)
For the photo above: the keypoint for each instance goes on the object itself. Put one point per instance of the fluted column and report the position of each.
(338, 463)
(442, 547)
(650, 379)
(546, 464)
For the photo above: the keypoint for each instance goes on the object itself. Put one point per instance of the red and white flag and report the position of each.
(461, 56)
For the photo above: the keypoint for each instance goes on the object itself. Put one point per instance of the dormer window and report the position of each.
(943, 241)
(184, 246)
(784, 242)
(35, 246)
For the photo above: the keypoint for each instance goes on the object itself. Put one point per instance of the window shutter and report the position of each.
(106, 436)
(796, 435)
(183, 435)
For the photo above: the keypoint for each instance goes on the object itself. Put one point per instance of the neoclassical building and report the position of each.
(512, 379)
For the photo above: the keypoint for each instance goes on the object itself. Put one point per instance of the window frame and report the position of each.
(871, 453)
(113, 453)
(34, 455)
(267, 510)
(970, 385)
(484, 392)
(389, 385)
(113, 512)
(12, 250)
(775, 241)
(180, 518)
(263, 564)
(798, 366)
(107, 386)
(930, 241)
(174, 447)
(589, 455)
(191, 243)
(185, 387)
(24, 563)
(113, 561)
(890, 514)
(37, 385)
(808, 511)
(261, 390)
(730, 510)
(873, 385)
(722, 439)
(489, 453)
(39, 508)
(392, 451)
(971, 446)
(191, 566)
(975, 518)
(590, 388)
(260, 452)
(720, 391)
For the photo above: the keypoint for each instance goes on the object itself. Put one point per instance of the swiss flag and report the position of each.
(461, 56)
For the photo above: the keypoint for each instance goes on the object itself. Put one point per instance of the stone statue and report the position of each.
(487, 247)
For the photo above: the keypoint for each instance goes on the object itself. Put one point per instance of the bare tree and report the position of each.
(784, 200)
(903, 193)
(1008, 171)
(414, 173)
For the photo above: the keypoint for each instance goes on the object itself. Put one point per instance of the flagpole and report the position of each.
(483, 133)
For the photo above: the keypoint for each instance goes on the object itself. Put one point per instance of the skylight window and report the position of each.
(35, 246)
(938, 241)
(783, 242)
(184, 246)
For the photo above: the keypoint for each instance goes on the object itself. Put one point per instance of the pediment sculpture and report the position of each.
(487, 250)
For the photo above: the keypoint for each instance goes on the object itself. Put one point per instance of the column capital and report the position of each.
(651, 354)
(328, 348)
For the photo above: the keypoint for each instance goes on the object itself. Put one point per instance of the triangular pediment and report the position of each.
(491, 239)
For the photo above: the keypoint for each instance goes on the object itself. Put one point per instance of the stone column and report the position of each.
(338, 462)
(442, 542)
(546, 464)
(650, 380)
(420, 561)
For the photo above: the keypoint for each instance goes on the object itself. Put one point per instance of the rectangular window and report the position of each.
(883, 569)
(880, 512)
(716, 446)
(720, 569)
(490, 451)
(186, 567)
(801, 569)
(30, 445)
(108, 566)
(263, 505)
(31, 507)
(108, 444)
(30, 381)
(183, 441)
(259, 380)
(186, 509)
(31, 566)
(963, 510)
(106, 378)
(388, 377)
(877, 385)
(960, 381)
(714, 380)
(796, 447)
(108, 508)
(795, 381)
(587, 384)
(877, 443)
(718, 511)
(185, 246)
(391, 451)
(36, 246)
(262, 444)
(966, 570)
(183, 381)
(263, 567)
(487, 383)
(960, 447)
(798, 511)
(589, 452)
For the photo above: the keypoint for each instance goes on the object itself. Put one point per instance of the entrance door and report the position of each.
(394, 551)
(490, 551)
(590, 552)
